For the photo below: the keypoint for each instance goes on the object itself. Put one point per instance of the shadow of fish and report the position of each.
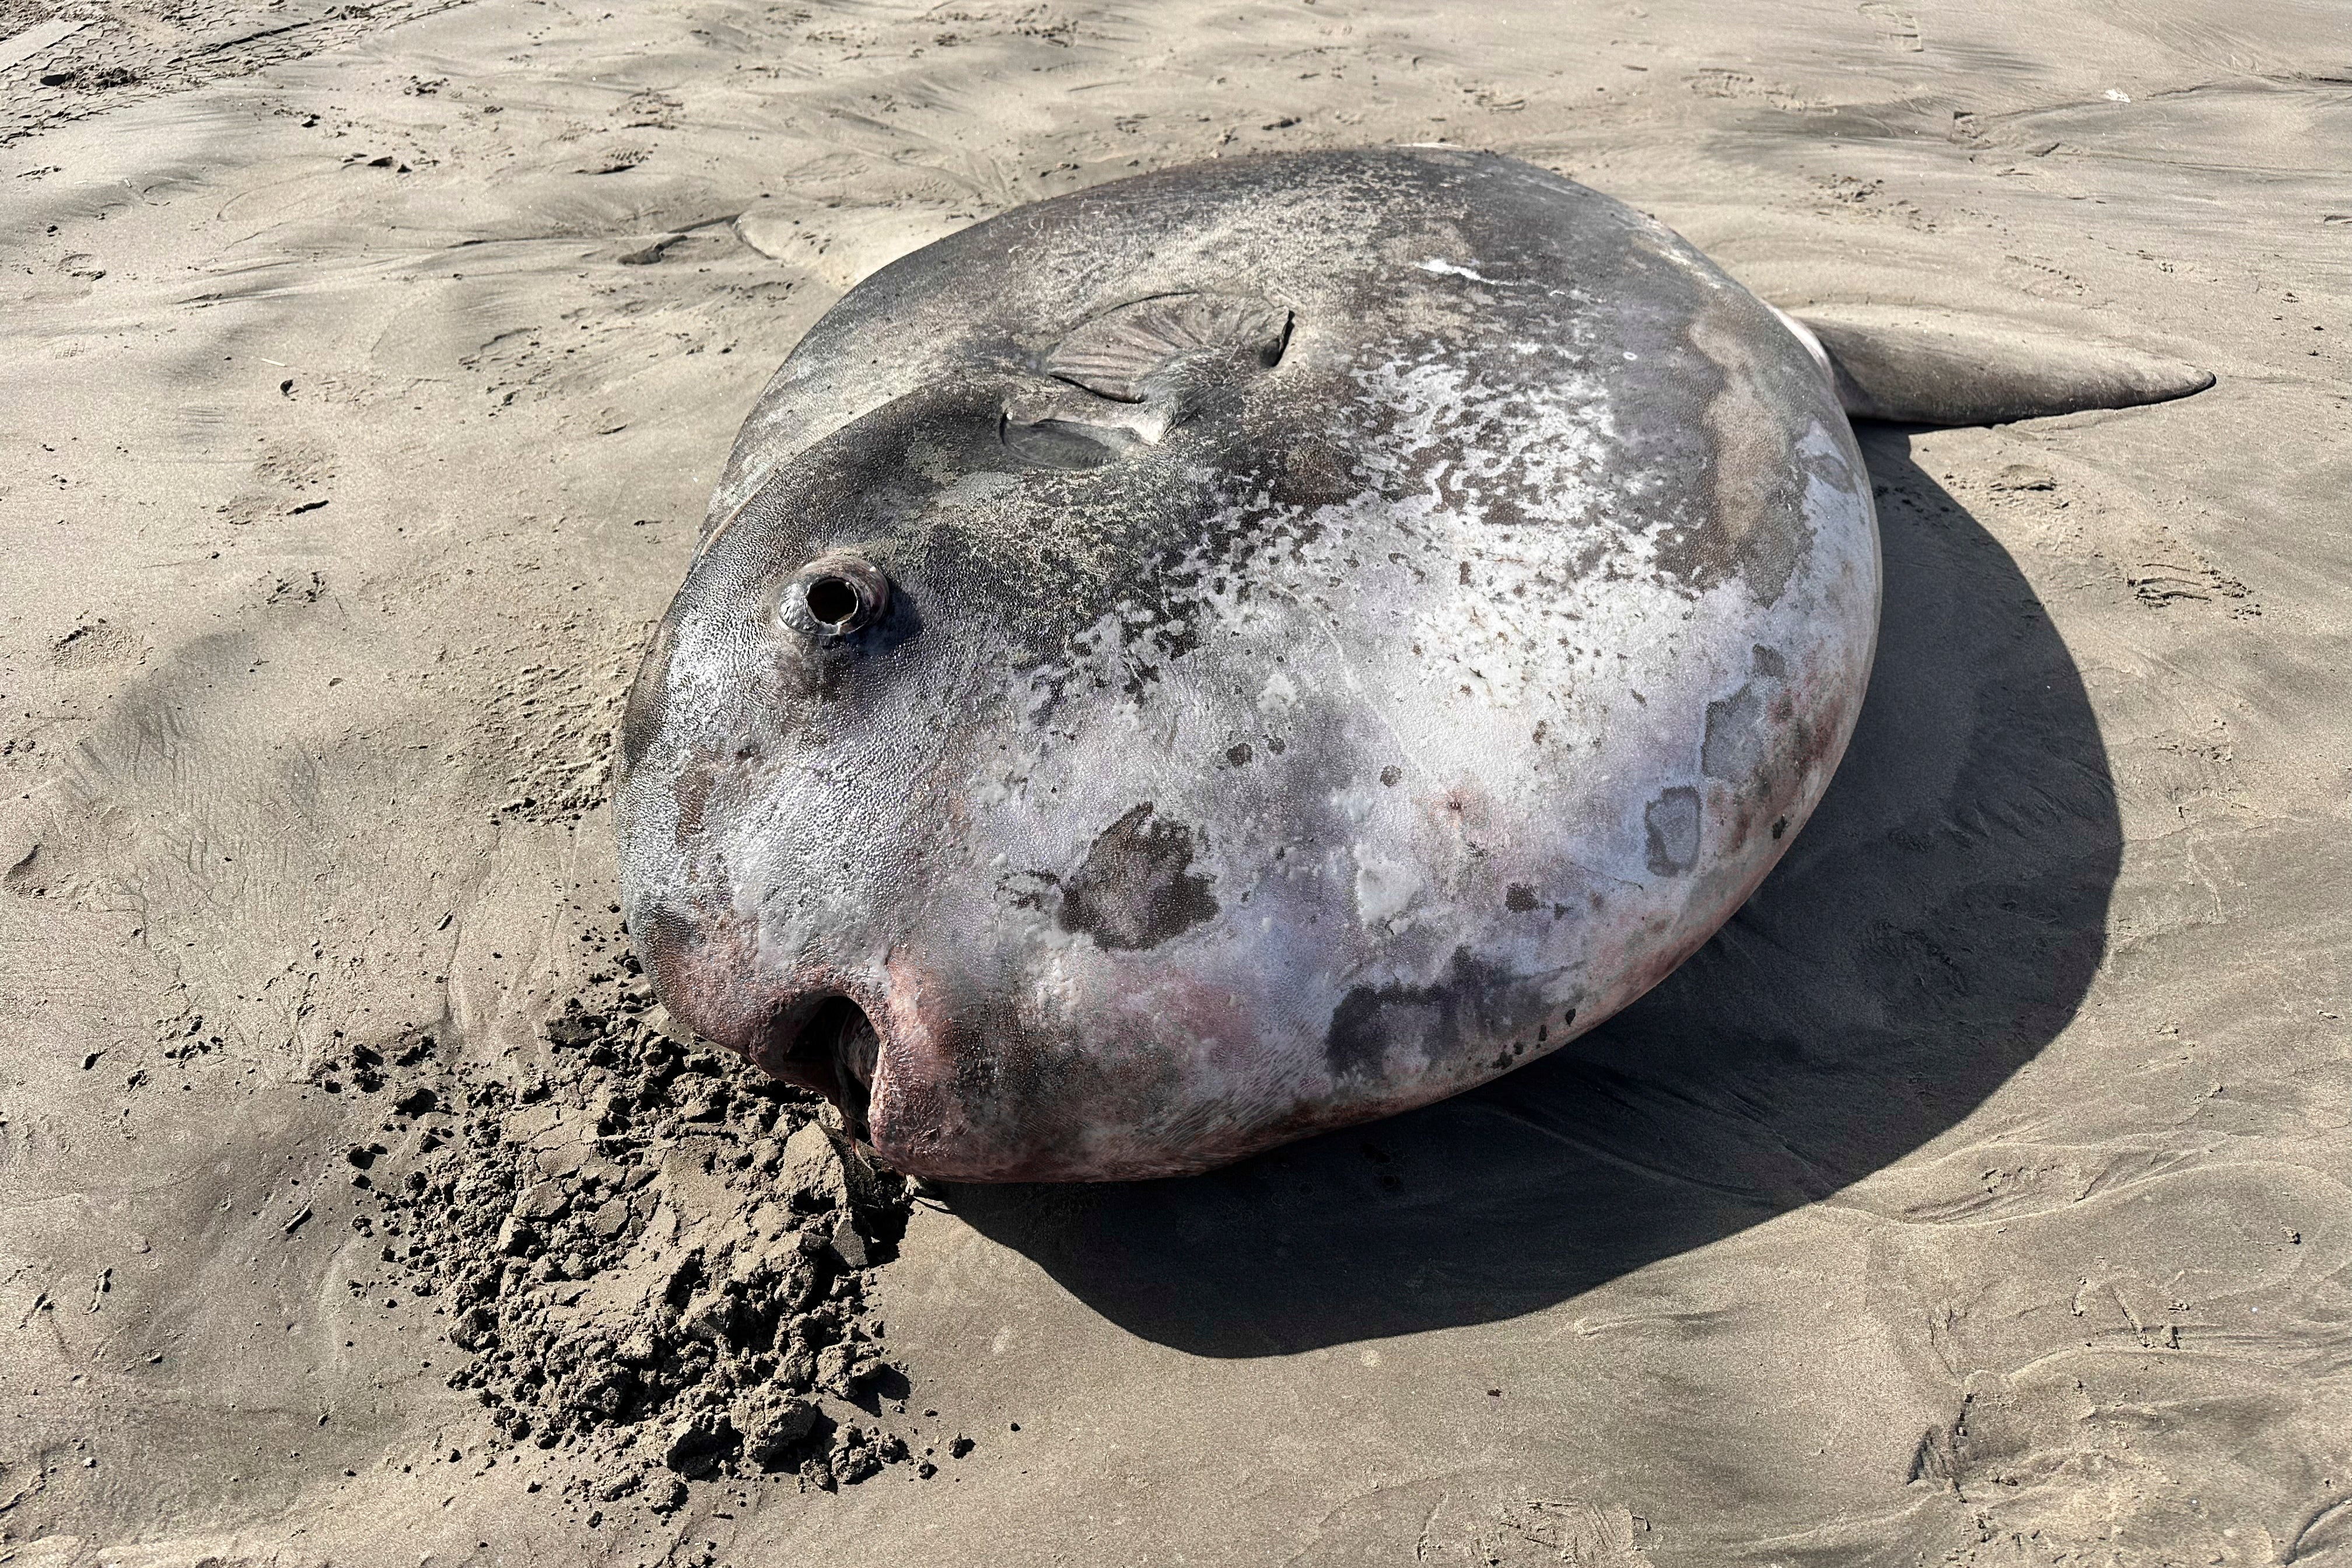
(1258, 646)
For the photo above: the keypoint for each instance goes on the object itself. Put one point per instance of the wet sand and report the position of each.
(1978, 1196)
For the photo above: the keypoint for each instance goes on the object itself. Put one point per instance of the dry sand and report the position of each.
(1978, 1197)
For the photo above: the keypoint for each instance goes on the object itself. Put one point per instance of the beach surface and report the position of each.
(1979, 1197)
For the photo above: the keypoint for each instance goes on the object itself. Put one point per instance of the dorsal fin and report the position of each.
(1115, 353)
(1916, 367)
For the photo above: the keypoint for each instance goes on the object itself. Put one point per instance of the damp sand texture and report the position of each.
(1977, 1196)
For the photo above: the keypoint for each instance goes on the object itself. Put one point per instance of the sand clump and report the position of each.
(655, 1255)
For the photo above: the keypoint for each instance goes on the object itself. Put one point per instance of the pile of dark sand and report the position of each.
(657, 1256)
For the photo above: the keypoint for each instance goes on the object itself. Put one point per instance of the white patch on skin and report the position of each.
(1279, 695)
(1384, 888)
(1450, 269)
(1569, 583)
(1558, 597)
(1443, 268)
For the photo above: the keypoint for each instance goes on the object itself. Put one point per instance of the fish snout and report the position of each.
(947, 1074)
(935, 1068)
(897, 1052)
(808, 1028)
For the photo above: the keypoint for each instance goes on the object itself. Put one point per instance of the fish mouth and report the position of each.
(826, 1042)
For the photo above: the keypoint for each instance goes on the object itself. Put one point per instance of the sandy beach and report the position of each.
(1978, 1196)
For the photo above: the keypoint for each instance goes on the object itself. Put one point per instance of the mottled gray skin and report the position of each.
(1353, 731)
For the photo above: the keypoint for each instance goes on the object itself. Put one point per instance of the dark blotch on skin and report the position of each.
(1132, 891)
(1519, 898)
(1441, 1019)
(1672, 823)
(1390, 776)
(1735, 738)
(1240, 755)
(1765, 661)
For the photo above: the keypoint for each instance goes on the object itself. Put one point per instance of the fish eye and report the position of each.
(837, 593)
(832, 600)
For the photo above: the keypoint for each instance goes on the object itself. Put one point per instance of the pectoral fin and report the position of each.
(1926, 368)
(1134, 372)
(1125, 352)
